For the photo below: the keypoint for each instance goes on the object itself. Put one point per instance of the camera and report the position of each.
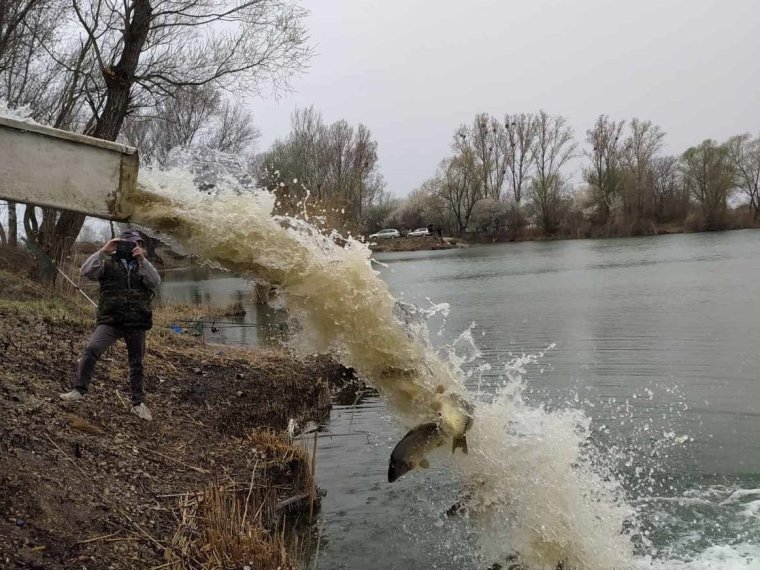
(124, 250)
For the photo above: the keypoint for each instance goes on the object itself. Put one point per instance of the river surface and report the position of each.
(657, 339)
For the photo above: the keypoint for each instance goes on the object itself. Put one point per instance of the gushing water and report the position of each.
(532, 484)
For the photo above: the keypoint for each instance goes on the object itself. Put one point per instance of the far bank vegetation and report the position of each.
(522, 176)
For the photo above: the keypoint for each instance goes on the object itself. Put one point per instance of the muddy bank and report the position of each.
(210, 483)
(414, 244)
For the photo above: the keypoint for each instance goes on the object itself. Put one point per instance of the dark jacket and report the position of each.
(125, 293)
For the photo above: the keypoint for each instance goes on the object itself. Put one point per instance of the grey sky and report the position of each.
(413, 70)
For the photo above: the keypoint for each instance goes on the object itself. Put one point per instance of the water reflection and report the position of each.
(367, 523)
(260, 325)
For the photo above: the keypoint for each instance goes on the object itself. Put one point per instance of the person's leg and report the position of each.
(136, 351)
(102, 337)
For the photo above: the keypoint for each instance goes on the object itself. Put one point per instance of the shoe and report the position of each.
(142, 412)
(72, 396)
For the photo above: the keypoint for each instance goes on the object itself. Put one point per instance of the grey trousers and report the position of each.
(103, 337)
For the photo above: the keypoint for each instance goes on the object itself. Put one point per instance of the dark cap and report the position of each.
(131, 235)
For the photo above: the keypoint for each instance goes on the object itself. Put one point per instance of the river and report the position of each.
(656, 339)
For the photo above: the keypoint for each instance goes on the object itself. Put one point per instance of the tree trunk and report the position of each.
(12, 225)
(120, 77)
(119, 80)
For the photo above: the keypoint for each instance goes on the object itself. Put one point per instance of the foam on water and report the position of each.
(742, 556)
(533, 483)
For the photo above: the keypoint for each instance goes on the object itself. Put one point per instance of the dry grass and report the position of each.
(225, 527)
(214, 446)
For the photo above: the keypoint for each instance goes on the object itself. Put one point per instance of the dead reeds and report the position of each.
(227, 527)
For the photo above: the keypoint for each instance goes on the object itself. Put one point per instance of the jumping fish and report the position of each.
(455, 418)
(413, 448)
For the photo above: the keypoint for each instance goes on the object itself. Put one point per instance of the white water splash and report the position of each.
(534, 490)
(742, 556)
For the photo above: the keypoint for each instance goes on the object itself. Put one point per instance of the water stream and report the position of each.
(615, 385)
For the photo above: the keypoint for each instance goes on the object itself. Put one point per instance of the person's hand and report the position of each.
(138, 253)
(110, 246)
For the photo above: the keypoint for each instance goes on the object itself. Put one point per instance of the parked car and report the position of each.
(386, 234)
(419, 232)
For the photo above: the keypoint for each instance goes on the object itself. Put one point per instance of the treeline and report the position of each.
(521, 176)
(165, 74)
(509, 178)
(332, 166)
(156, 73)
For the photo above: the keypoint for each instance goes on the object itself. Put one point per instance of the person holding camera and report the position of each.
(127, 280)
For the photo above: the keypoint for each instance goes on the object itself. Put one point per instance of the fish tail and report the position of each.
(459, 442)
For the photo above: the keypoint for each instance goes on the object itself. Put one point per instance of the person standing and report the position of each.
(127, 281)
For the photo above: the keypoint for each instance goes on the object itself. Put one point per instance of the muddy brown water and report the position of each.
(656, 341)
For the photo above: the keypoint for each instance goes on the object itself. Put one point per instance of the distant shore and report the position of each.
(421, 244)
(414, 244)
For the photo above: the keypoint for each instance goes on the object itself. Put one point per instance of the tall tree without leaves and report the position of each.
(139, 53)
(521, 134)
(744, 154)
(553, 147)
(460, 187)
(337, 164)
(195, 116)
(604, 176)
(486, 140)
(25, 27)
(639, 151)
(709, 176)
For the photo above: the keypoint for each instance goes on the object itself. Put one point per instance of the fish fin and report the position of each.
(424, 463)
(459, 442)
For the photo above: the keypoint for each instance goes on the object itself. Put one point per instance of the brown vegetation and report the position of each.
(410, 244)
(507, 179)
(90, 484)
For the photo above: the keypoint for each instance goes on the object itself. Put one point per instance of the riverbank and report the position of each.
(414, 244)
(213, 481)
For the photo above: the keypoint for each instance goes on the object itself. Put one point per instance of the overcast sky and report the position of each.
(414, 70)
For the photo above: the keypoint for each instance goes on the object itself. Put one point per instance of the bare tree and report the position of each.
(640, 149)
(604, 176)
(460, 187)
(139, 53)
(302, 156)
(744, 154)
(553, 147)
(670, 201)
(25, 79)
(14, 15)
(175, 122)
(486, 140)
(709, 177)
(521, 134)
(194, 117)
(334, 162)
(233, 130)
